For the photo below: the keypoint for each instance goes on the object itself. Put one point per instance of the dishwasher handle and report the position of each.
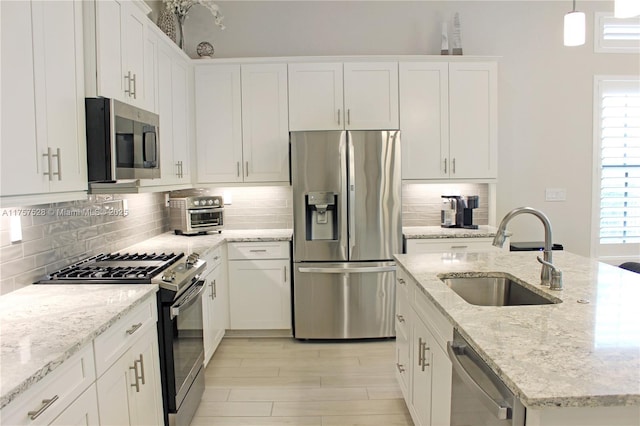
(347, 270)
(499, 409)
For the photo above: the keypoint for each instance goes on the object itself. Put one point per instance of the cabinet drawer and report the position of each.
(440, 327)
(115, 341)
(261, 250)
(456, 245)
(213, 258)
(61, 387)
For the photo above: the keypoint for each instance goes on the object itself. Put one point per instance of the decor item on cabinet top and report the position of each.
(456, 39)
(205, 50)
(181, 8)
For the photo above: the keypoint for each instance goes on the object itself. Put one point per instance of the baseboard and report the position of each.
(257, 333)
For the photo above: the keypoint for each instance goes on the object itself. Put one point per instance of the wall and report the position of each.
(55, 235)
(545, 89)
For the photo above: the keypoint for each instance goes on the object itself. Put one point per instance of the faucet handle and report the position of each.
(556, 274)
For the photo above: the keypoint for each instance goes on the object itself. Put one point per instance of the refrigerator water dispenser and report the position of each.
(322, 220)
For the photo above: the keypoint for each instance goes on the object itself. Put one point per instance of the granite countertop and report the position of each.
(437, 232)
(568, 354)
(200, 244)
(43, 325)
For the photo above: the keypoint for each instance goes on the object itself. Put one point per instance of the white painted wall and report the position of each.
(545, 118)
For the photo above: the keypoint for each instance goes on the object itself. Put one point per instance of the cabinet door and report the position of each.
(109, 66)
(133, 54)
(371, 95)
(181, 112)
(82, 412)
(473, 137)
(265, 123)
(59, 91)
(424, 119)
(220, 304)
(145, 398)
(113, 393)
(165, 112)
(218, 123)
(21, 152)
(421, 368)
(259, 294)
(441, 384)
(316, 96)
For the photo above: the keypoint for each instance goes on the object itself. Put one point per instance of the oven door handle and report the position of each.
(188, 299)
(210, 210)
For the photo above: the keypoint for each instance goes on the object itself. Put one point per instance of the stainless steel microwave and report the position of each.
(122, 141)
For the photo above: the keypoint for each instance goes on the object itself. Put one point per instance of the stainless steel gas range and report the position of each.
(180, 335)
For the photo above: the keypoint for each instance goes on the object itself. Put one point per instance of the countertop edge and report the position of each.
(52, 365)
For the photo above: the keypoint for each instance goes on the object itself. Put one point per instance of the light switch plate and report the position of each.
(555, 194)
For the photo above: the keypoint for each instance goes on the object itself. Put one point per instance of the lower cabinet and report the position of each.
(425, 376)
(215, 302)
(82, 412)
(259, 285)
(129, 391)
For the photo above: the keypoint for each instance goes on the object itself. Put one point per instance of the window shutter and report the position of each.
(620, 163)
(615, 35)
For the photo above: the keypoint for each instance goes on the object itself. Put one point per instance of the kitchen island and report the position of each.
(574, 362)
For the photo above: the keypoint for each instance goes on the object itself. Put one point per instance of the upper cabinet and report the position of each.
(449, 120)
(117, 51)
(335, 96)
(241, 123)
(43, 124)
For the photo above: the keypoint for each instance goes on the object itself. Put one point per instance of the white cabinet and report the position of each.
(215, 302)
(43, 124)
(403, 335)
(429, 370)
(127, 362)
(129, 391)
(449, 109)
(335, 96)
(259, 285)
(174, 108)
(53, 397)
(117, 55)
(82, 412)
(452, 245)
(241, 123)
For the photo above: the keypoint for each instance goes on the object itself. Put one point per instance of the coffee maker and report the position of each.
(457, 211)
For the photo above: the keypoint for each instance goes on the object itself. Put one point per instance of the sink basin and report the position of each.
(495, 291)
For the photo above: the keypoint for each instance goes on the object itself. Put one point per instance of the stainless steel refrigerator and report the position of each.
(347, 226)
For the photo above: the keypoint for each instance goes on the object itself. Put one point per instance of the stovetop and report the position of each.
(114, 268)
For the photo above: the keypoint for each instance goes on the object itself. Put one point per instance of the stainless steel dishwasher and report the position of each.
(478, 396)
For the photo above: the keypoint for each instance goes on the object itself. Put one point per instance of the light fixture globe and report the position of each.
(574, 28)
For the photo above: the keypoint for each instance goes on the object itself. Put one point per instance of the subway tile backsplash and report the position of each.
(55, 235)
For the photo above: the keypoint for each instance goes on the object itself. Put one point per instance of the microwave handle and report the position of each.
(145, 159)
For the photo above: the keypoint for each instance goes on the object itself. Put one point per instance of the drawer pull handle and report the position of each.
(459, 247)
(134, 328)
(400, 318)
(135, 374)
(258, 251)
(46, 403)
(400, 367)
(401, 281)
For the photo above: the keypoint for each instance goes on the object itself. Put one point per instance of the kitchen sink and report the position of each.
(495, 291)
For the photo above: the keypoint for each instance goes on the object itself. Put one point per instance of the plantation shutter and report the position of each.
(620, 162)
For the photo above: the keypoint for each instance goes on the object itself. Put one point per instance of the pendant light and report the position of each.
(626, 8)
(574, 27)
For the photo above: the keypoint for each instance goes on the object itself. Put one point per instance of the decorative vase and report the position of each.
(167, 23)
(181, 31)
(205, 49)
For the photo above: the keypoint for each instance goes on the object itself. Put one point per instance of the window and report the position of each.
(617, 160)
(615, 35)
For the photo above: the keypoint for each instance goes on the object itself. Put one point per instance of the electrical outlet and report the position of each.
(555, 194)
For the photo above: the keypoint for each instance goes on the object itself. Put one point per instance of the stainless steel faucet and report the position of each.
(550, 275)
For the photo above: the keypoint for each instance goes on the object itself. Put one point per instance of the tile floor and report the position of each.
(281, 381)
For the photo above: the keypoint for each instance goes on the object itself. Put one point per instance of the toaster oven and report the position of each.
(195, 213)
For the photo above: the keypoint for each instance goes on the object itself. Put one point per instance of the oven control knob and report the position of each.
(169, 276)
(210, 202)
(196, 203)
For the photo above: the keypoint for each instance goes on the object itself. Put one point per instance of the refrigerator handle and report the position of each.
(352, 194)
(347, 270)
